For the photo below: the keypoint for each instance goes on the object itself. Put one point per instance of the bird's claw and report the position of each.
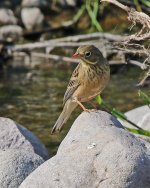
(89, 110)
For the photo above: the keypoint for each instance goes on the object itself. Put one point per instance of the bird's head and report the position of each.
(89, 54)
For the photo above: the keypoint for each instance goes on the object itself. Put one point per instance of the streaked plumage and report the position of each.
(87, 81)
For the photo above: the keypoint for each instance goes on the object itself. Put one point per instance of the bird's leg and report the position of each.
(81, 105)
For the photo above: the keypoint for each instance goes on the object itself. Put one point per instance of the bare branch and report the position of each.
(63, 41)
(146, 75)
(136, 18)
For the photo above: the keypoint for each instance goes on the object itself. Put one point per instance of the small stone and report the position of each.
(32, 18)
(65, 3)
(7, 17)
(34, 3)
(13, 32)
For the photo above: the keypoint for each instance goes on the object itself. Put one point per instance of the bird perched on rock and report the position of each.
(87, 81)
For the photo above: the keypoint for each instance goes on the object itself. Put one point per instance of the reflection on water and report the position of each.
(33, 97)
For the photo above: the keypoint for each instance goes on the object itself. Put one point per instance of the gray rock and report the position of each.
(15, 166)
(7, 17)
(14, 136)
(140, 116)
(13, 32)
(66, 3)
(34, 3)
(96, 153)
(32, 18)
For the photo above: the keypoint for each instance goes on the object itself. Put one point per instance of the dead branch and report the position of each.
(132, 48)
(71, 60)
(63, 41)
(137, 63)
(136, 18)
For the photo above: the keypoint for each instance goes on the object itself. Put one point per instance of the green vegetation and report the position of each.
(146, 2)
(145, 97)
(91, 8)
(140, 131)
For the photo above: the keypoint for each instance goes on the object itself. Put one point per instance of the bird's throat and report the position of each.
(85, 62)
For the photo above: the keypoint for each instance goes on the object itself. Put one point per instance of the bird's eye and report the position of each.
(87, 54)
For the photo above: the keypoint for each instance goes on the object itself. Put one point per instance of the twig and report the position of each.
(137, 63)
(117, 4)
(132, 48)
(146, 75)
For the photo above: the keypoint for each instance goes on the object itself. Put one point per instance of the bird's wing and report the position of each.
(73, 84)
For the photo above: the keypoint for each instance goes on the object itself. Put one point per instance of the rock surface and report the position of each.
(32, 18)
(97, 152)
(14, 136)
(7, 17)
(15, 165)
(140, 116)
(11, 31)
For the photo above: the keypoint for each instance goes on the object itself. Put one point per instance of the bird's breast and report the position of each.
(92, 82)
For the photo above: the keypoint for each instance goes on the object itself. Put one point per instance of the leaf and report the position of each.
(146, 2)
(93, 14)
(145, 97)
(140, 131)
(99, 99)
(118, 114)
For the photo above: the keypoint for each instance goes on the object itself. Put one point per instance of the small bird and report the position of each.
(87, 81)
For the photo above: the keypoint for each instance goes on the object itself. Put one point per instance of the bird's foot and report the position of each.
(90, 110)
(83, 107)
(93, 110)
(87, 110)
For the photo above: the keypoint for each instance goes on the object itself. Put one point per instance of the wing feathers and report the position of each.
(73, 84)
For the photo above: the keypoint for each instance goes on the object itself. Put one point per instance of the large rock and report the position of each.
(140, 116)
(13, 32)
(32, 18)
(7, 17)
(14, 136)
(96, 153)
(15, 165)
(34, 3)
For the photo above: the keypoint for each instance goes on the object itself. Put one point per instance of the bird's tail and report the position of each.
(67, 110)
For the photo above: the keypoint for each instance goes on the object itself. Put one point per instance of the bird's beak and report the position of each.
(76, 55)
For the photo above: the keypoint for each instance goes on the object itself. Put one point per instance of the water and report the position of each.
(33, 96)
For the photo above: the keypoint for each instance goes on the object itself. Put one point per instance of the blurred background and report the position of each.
(32, 86)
